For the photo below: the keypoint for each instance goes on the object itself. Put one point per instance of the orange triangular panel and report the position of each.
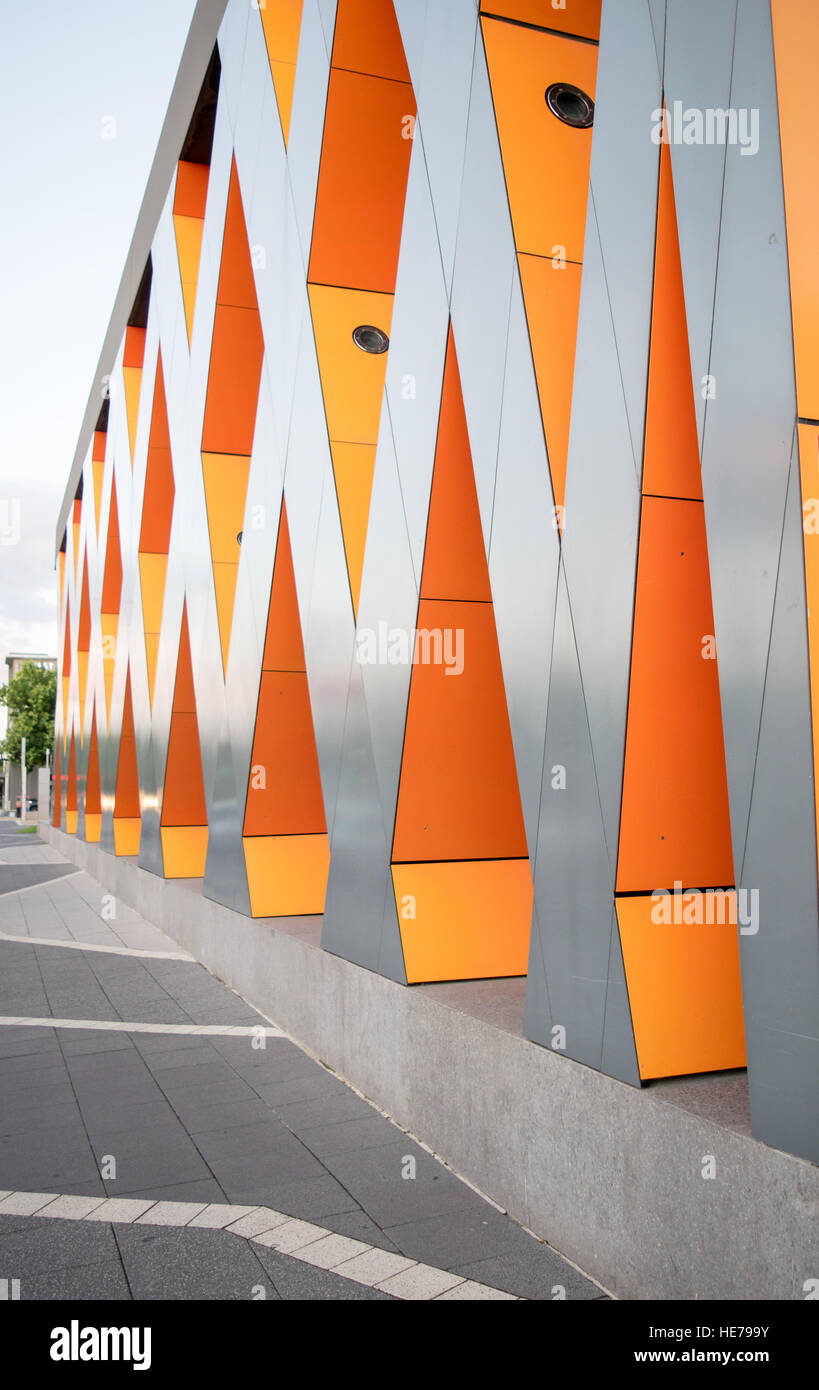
(183, 801)
(455, 557)
(281, 20)
(672, 459)
(458, 795)
(284, 796)
(126, 802)
(283, 646)
(675, 823)
(93, 793)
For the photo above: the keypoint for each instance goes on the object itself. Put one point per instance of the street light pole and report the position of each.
(23, 780)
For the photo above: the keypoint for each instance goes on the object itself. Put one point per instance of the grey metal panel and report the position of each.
(623, 176)
(415, 366)
(225, 875)
(485, 263)
(307, 120)
(573, 881)
(749, 425)
(523, 562)
(657, 11)
(412, 18)
(254, 126)
(602, 512)
(389, 597)
(360, 914)
(698, 75)
(619, 1049)
(232, 33)
(780, 963)
(439, 41)
(327, 14)
(192, 68)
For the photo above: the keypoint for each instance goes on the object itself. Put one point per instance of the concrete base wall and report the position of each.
(610, 1176)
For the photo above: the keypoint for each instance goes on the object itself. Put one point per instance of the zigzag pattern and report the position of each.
(420, 359)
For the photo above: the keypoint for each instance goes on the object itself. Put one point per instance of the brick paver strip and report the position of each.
(352, 1259)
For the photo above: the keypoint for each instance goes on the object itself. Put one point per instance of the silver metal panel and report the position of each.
(389, 601)
(619, 1048)
(327, 15)
(232, 33)
(360, 914)
(602, 513)
(657, 14)
(623, 176)
(698, 75)
(253, 125)
(485, 263)
(442, 83)
(307, 120)
(225, 875)
(415, 366)
(523, 562)
(412, 19)
(573, 881)
(780, 963)
(749, 425)
(319, 562)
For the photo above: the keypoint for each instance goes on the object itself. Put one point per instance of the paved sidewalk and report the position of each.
(271, 1172)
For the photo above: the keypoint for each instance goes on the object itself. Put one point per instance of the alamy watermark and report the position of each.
(715, 906)
(710, 125)
(399, 646)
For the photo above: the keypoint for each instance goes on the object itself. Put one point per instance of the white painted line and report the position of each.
(299, 1240)
(30, 887)
(92, 946)
(473, 1292)
(259, 1221)
(217, 1215)
(375, 1265)
(171, 1213)
(123, 1209)
(205, 1030)
(420, 1282)
(290, 1235)
(332, 1251)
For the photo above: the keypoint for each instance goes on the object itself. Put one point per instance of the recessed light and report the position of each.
(570, 105)
(370, 339)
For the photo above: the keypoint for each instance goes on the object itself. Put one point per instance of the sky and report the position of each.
(69, 198)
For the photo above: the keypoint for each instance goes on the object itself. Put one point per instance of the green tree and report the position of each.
(30, 699)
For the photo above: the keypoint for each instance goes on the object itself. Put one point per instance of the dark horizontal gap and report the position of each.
(480, 859)
(423, 599)
(539, 28)
(804, 420)
(669, 497)
(649, 892)
(378, 76)
(354, 289)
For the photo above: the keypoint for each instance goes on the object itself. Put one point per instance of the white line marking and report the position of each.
(221, 1030)
(300, 1240)
(139, 952)
(29, 888)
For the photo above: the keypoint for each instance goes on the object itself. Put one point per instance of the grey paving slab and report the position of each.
(16, 876)
(322, 1200)
(539, 1273)
(87, 1283)
(33, 1245)
(462, 1237)
(193, 1190)
(190, 1264)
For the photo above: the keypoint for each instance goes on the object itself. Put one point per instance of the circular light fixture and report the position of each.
(570, 105)
(370, 339)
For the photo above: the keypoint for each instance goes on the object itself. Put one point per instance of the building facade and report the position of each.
(437, 558)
